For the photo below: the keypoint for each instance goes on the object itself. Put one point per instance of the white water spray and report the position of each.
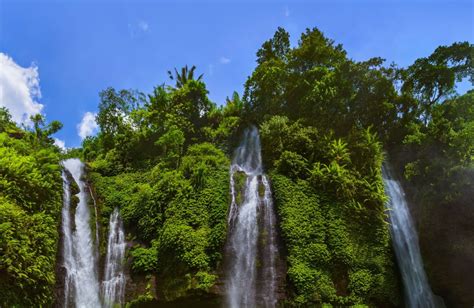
(81, 284)
(251, 283)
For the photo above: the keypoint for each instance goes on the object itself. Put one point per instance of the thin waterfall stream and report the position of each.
(113, 286)
(252, 245)
(418, 293)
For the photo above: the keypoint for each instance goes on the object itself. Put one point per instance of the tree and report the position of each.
(117, 121)
(185, 76)
(5, 119)
(275, 48)
(433, 78)
(41, 131)
(189, 108)
(115, 108)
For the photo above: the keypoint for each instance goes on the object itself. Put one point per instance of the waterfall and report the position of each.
(113, 286)
(81, 282)
(251, 246)
(418, 293)
(81, 286)
(270, 249)
(67, 240)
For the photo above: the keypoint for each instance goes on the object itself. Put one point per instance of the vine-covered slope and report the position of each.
(332, 215)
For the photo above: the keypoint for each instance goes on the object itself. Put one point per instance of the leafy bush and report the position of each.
(292, 165)
(205, 280)
(144, 260)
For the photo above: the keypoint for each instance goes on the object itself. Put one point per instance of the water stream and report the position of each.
(251, 249)
(113, 286)
(418, 293)
(81, 284)
(80, 248)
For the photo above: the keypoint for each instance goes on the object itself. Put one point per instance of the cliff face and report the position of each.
(447, 243)
(446, 236)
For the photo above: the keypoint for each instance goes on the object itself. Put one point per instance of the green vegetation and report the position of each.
(162, 160)
(30, 207)
(437, 164)
(332, 217)
(325, 121)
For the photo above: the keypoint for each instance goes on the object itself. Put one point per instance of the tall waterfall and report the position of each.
(251, 249)
(113, 286)
(81, 285)
(418, 293)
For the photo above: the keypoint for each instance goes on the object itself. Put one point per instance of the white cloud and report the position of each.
(60, 143)
(287, 12)
(88, 125)
(224, 60)
(143, 25)
(138, 29)
(19, 89)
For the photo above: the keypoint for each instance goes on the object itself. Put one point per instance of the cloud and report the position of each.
(60, 143)
(88, 125)
(138, 29)
(19, 89)
(287, 12)
(224, 60)
(143, 25)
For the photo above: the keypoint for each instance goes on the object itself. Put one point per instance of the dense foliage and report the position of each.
(330, 200)
(162, 159)
(327, 123)
(437, 163)
(323, 117)
(30, 205)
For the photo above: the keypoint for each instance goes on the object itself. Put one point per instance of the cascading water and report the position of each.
(251, 247)
(81, 284)
(67, 240)
(113, 286)
(418, 293)
(270, 249)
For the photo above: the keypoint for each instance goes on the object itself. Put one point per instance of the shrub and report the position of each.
(144, 260)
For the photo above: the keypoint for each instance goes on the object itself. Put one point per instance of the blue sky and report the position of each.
(81, 47)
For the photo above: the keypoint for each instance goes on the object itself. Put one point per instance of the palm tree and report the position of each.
(185, 76)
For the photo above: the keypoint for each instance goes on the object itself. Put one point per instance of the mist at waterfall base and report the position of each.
(80, 251)
(418, 293)
(251, 248)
